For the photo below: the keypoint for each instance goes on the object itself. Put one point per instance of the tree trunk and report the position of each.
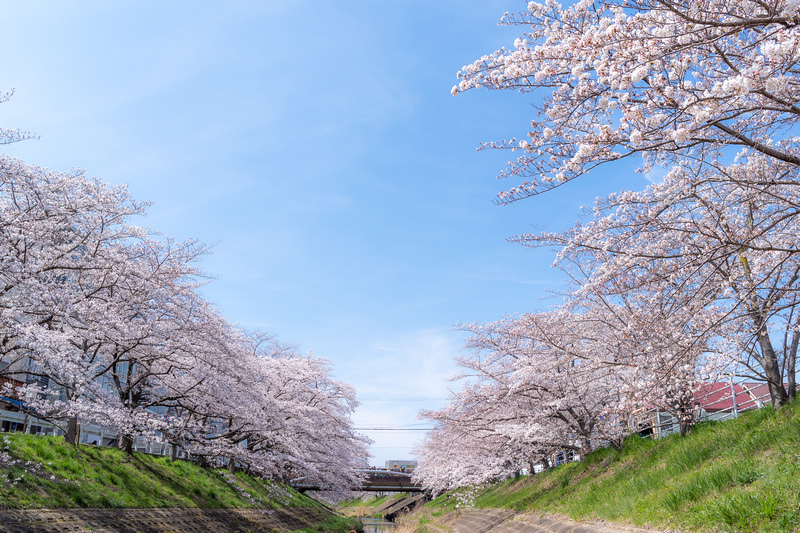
(685, 425)
(769, 361)
(71, 433)
(772, 369)
(791, 361)
(173, 452)
(125, 443)
(231, 465)
(586, 446)
(617, 442)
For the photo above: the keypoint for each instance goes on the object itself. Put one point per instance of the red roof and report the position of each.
(718, 397)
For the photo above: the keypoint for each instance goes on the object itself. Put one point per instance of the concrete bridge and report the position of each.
(375, 481)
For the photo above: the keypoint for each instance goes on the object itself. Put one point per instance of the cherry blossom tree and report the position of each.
(553, 363)
(153, 312)
(111, 315)
(454, 456)
(563, 381)
(54, 234)
(687, 279)
(675, 81)
(12, 135)
(654, 348)
(704, 89)
(109, 318)
(716, 253)
(537, 384)
(275, 412)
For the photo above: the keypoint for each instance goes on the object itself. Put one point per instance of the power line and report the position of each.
(402, 399)
(392, 429)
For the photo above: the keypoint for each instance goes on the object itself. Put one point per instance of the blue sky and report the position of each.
(317, 147)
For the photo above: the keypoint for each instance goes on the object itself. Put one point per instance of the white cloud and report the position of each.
(409, 374)
(656, 174)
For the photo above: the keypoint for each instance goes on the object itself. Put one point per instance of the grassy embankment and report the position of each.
(739, 475)
(45, 472)
(370, 506)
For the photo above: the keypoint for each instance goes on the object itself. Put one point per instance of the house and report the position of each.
(15, 414)
(711, 401)
(721, 400)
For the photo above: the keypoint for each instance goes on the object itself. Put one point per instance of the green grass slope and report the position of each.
(45, 472)
(370, 506)
(739, 475)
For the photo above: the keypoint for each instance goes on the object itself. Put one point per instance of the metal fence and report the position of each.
(720, 400)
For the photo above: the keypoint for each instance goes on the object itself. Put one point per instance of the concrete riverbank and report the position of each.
(159, 520)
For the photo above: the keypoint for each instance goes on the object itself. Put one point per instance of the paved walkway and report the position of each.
(159, 520)
(506, 521)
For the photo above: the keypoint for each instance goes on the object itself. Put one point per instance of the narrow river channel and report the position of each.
(377, 525)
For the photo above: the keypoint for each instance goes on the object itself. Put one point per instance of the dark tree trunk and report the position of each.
(769, 361)
(71, 433)
(791, 361)
(617, 443)
(173, 452)
(125, 443)
(685, 425)
(685, 416)
(772, 370)
(586, 446)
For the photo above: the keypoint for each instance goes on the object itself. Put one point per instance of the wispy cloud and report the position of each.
(656, 174)
(410, 375)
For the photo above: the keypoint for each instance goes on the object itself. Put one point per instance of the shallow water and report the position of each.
(377, 525)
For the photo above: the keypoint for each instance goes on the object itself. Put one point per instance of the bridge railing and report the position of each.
(375, 481)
